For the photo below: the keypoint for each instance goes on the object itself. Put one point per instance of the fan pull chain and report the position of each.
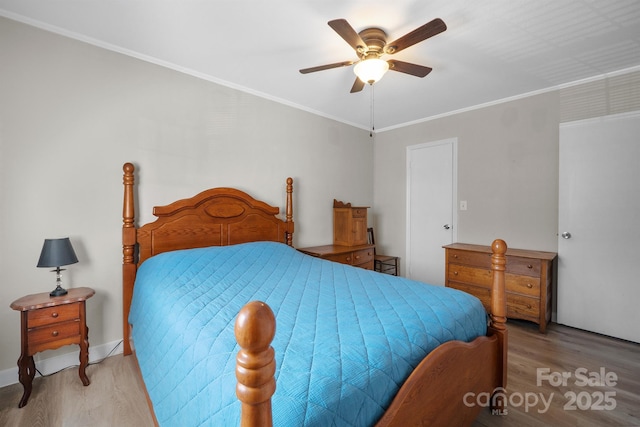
(372, 113)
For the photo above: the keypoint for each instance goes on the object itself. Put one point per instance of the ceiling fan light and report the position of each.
(371, 70)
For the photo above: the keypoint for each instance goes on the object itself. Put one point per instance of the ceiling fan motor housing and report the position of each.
(376, 39)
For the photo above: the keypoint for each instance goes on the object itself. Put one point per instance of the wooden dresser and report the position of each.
(529, 278)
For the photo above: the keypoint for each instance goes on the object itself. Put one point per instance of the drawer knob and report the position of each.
(529, 285)
(357, 256)
(54, 333)
(455, 256)
(455, 273)
(529, 306)
(348, 258)
(529, 266)
(54, 314)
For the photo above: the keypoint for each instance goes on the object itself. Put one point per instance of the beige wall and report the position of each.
(71, 114)
(507, 173)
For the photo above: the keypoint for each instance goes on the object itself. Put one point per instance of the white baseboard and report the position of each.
(54, 364)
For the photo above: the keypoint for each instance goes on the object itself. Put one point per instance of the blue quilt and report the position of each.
(346, 338)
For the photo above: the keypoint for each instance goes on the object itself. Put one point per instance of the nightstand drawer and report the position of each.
(49, 315)
(55, 332)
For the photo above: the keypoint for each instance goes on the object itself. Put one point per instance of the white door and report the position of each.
(599, 220)
(431, 213)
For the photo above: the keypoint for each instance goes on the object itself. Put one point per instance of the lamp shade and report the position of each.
(371, 70)
(56, 253)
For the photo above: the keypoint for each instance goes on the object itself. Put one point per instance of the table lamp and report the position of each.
(56, 253)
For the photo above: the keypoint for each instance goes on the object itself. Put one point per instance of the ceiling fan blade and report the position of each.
(429, 29)
(346, 31)
(408, 68)
(326, 67)
(358, 85)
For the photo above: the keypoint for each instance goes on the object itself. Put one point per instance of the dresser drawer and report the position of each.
(527, 285)
(362, 257)
(477, 276)
(521, 307)
(358, 256)
(353, 258)
(525, 266)
(359, 212)
(59, 331)
(49, 315)
(475, 259)
(518, 306)
(341, 258)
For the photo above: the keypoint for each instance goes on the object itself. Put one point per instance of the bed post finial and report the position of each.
(128, 248)
(128, 210)
(289, 211)
(255, 328)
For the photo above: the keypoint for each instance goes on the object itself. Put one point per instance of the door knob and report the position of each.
(566, 235)
(446, 226)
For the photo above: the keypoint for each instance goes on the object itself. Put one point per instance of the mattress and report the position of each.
(346, 338)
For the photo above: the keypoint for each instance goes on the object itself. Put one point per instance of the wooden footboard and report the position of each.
(441, 391)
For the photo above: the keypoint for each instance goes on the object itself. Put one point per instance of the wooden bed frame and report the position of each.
(440, 391)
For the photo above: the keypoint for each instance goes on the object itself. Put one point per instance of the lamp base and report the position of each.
(58, 291)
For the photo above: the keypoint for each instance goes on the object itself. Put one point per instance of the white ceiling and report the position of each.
(492, 49)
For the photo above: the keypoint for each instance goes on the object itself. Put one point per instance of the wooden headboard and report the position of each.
(215, 217)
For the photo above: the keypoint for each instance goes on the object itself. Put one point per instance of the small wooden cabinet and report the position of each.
(358, 256)
(349, 224)
(48, 323)
(529, 279)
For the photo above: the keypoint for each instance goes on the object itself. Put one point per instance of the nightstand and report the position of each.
(48, 323)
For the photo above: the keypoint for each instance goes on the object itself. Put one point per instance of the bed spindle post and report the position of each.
(499, 320)
(255, 328)
(128, 248)
(498, 265)
(289, 211)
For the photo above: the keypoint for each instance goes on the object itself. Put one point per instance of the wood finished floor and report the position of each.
(115, 397)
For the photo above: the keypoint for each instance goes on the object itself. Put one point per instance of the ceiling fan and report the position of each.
(371, 43)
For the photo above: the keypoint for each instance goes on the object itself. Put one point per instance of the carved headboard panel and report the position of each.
(216, 217)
